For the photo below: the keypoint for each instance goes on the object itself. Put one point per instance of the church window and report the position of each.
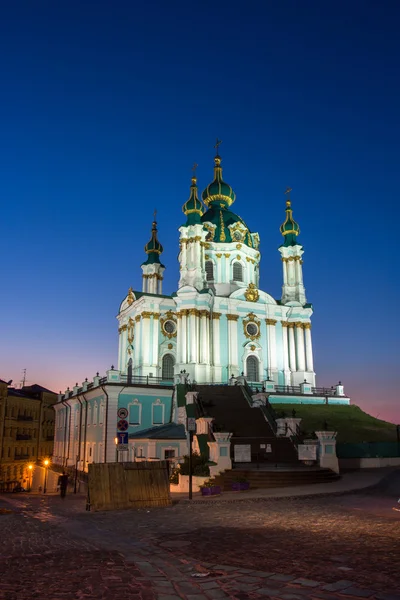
(135, 413)
(252, 368)
(237, 271)
(158, 413)
(170, 326)
(252, 329)
(209, 270)
(168, 363)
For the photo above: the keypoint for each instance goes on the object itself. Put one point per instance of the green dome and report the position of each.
(153, 248)
(193, 208)
(218, 193)
(289, 229)
(222, 218)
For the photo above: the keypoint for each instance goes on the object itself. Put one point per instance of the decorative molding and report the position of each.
(131, 330)
(156, 315)
(146, 314)
(168, 316)
(226, 254)
(232, 317)
(307, 325)
(251, 294)
(216, 315)
(251, 318)
(252, 347)
(204, 313)
(285, 323)
(206, 257)
(238, 246)
(238, 257)
(299, 324)
(270, 321)
(170, 346)
(122, 328)
(137, 318)
(218, 255)
(291, 325)
(130, 298)
(194, 312)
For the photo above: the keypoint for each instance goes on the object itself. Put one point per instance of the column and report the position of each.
(271, 337)
(203, 336)
(146, 337)
(194, 334)
(301, 363)
(292, 347)
(233, 341)
(179, 337)
(144, 282)
(184, 336)
(284, 266)
(156, 328)
(290, 271)
(207, 338)
(216, 339)
(285, 349)
(137, 360)
(309, 352)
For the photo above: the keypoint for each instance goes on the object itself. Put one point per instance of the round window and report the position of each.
(252, 329)
(237, 235)
(170, 326)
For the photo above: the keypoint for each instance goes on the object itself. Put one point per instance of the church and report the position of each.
(219, 329)
(219, 324)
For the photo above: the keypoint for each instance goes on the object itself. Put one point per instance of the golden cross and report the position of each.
(288, 190)
(217, 145)
(195, 165)
(155, 214)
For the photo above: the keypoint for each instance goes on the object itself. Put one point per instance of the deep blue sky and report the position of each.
(104, 107)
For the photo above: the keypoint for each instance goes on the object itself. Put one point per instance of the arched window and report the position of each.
(252, 368)
(209, 270)
(237, 272)
(168, 363)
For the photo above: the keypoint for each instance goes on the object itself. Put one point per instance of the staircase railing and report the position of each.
(267, 410)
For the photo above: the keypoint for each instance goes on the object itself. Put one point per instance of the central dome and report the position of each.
(218, 192)
(222, 218)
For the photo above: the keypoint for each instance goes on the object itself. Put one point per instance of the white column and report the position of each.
(309, 352)
(138, 360)
(194, 335)
(232, 341)
(144, 283)
(290, 272)
(271, 335)
(207, 340)
(301, 363)
(154, 357)
(284, 265)
(292, 348)
(216, 339)
(203, 337)
(184, 336)
(285, 349)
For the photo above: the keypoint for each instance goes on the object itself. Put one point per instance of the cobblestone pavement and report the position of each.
(325, 548)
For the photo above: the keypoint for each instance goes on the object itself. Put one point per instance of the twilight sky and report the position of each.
(104, 107)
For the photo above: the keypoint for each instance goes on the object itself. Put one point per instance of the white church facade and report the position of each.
(219, 323)
(219, 327)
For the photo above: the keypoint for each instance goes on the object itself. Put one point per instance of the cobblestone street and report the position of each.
(322, 548)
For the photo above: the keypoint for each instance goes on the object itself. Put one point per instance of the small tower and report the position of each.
(192, 242)
(152, 268)
(291, 253)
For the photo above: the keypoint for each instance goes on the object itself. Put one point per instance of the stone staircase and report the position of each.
(287, 477)
(231, 412)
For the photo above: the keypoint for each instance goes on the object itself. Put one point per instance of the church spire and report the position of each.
(289, 229)
(218, 193)
(193, 208)
(153, 248)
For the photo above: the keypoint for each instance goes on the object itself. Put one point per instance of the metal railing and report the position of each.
(267, 410)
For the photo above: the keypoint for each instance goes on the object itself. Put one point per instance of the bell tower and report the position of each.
(291, 255)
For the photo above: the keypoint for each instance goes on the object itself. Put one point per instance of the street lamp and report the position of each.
(30, 467)
(46, 464)
(116, 449)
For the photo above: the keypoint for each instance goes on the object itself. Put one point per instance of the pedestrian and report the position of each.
(63, 482)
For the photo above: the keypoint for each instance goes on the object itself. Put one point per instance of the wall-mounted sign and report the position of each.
(122, 425)
(307, 451)
(242, 453)
(122, 413)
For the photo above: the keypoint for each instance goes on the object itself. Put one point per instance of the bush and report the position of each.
(174, 477)
(200, 466)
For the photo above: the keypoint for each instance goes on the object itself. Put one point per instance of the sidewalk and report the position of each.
(349, 482)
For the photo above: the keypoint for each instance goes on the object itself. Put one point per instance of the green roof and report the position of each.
(222, 218)
(193, 208)
(289, 229)
(218, 192)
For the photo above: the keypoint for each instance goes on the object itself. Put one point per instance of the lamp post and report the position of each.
(46, 464)
(30, 467)
(116, 449)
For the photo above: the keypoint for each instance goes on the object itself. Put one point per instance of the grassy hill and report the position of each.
(351, 423)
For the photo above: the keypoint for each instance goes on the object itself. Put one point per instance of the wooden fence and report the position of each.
(113, 486)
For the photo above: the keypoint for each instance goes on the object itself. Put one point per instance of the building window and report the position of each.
(223, 451)
(169, 453)
(101, 413)
(135, 413)
(237, 271)
(252, 368)
(168, 363)
(209, 270)
(139, 452)
(158, 414)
